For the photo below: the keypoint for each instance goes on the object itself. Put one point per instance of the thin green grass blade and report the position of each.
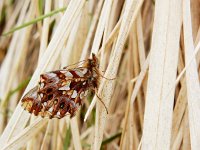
(34, 21)
(110, 139)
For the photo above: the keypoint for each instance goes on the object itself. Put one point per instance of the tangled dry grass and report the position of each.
(150, 47)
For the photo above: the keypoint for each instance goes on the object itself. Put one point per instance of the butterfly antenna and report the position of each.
(103, 76)
(82, 61)
(106, 77)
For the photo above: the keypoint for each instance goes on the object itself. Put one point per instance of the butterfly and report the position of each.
(61, 92)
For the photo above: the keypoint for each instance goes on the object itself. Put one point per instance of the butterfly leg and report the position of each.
(99, 98)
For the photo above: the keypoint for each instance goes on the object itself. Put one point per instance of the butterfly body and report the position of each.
(61, 92)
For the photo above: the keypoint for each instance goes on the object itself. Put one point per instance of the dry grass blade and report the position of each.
(45, 30)
(107, 44)
(14, 126)
(29, 132)
(7, 74)
(106, 88)
(101, 26)
(75, 134)
(92, 30)
(157, 123)
(134, 95)
(192, 79)
(149, 63)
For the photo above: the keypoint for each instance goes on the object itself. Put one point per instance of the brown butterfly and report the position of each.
(61, 92)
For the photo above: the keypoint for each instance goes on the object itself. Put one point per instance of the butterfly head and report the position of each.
(94, 62)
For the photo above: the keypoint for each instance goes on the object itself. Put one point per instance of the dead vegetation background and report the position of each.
(151, 47)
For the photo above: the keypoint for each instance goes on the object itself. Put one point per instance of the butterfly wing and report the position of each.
(30, 100)
(59, 93)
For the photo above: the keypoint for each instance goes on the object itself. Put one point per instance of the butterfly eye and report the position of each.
(62, 105)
